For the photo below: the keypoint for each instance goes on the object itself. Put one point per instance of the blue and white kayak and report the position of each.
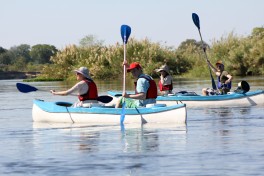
(62, 112)
(191, 99)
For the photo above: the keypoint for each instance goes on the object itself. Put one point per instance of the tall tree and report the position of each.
(2, 50)
(21, 51)
(90, 40)
(41, 53)
(5, 58)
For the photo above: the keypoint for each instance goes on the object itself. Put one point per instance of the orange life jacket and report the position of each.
(92, 93)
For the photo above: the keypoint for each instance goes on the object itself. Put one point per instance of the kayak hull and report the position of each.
(252, 98)
(53, 112)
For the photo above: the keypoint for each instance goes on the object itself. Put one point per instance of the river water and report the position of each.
(216, 141)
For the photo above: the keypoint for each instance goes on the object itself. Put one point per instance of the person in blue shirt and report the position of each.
(145, 88)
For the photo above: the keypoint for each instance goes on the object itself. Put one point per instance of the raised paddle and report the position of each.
(125, 33)
(25, 88)
(196, 21)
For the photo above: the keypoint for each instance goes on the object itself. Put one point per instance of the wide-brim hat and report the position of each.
(164, 68)
(84, 71)
(133, 65)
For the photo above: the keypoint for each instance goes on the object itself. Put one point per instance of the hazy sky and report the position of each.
(64, 22)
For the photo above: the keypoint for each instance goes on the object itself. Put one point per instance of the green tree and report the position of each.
(90, 40)
(2, 50)
(41, 54)
(22, 50)
(5, 58)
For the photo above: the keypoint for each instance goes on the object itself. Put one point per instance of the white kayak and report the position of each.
(62, 112)
(191, 99)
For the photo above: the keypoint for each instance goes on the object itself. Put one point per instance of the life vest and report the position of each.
(152, 90)
(92, 93)
(221, 85)
(165, 87)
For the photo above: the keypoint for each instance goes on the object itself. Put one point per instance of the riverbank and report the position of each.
(17, 75)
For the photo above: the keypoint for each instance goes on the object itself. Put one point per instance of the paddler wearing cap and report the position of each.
(145, 88)
(224, 79)
(165, 82)
(86, 89)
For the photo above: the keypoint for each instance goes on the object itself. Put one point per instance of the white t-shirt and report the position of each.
(167, 80)
(80, 88)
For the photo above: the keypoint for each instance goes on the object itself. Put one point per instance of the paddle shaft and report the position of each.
(143, 121)
(25, 88)
(122, 116)
(124, 69)
(125, 32)
(212, 78)
(205, 53)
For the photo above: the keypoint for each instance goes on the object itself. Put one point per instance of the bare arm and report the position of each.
(78, 89)
(229, 79)
(139, 96)
(162, 79)
(211, 66)
(63, 93)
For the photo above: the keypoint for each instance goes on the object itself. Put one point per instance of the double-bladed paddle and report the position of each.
(196, 21)
(25, 88)
(125, 33)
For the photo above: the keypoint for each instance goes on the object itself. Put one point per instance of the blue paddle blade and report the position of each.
(196, 20)
(24, 88)
(125, 33)
(122, 116)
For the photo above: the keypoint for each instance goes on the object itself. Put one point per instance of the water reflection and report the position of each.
(140, 140)
(89, 141)
(229, 112)
(147, 138)
(93, 138)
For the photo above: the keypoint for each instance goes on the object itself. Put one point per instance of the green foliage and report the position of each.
(41, 80)
(2, 50)
(41, 54)
(63, 63)
(90, 40)
(19, 65)
(106, 62)
(5, 58)
(241, 56)
(21, 51)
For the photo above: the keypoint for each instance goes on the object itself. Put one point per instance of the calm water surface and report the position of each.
(216, 141)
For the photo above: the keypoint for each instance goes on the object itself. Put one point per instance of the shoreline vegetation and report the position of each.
(242, 56)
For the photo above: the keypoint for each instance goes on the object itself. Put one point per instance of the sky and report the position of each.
(64, 22)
